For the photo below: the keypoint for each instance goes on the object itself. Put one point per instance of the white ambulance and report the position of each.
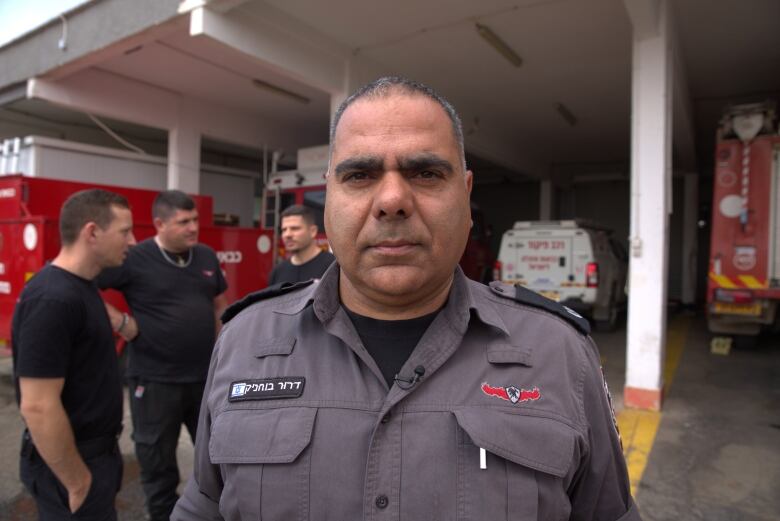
(573, 262)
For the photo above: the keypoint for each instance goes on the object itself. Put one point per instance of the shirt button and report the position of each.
(382, 501)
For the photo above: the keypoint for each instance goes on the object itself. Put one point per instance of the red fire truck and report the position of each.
(29, 237)
(744, 271)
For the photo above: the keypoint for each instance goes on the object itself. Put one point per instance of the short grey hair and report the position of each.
(388, 85)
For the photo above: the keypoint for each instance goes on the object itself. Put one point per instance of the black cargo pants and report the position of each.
(104, 461)
(158, 411)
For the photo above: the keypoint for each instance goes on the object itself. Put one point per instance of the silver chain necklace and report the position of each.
(181, 263)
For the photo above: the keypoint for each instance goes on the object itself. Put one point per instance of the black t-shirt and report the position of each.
(61, 329)
(390, 342)
(313, 269)
(174, 308)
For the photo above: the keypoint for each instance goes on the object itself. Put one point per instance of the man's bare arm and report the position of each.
(52, 434)
(220, 304)
(129, 330)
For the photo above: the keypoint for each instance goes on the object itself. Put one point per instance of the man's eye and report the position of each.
(428, 174)
(356, 176)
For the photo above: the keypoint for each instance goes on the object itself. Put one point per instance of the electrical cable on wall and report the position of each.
(115, 135)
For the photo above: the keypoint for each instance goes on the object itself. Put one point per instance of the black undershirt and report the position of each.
(390, 342)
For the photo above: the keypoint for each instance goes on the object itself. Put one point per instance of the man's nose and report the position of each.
(394, 197)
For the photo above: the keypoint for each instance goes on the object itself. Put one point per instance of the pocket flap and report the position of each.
(508, 354)
(274, 346)
(539, 443)
(261, 435)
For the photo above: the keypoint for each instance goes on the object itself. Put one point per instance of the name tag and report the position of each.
(266, 389)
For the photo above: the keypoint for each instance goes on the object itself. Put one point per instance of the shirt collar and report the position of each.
(473, 299)
(464, 298)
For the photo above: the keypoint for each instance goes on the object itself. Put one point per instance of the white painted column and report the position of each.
(690, 239)
(650, 204)
(546, 192)
(184, 152)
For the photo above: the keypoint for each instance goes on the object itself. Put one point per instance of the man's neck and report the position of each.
(304, 256)
(167, 247)
(77, 263)
(384, 307)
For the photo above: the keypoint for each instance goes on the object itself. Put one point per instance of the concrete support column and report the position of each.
(184, 157)
(650, 204)
(689, 245)
(546, 193)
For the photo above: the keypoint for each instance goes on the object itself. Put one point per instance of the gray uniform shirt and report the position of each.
(298, 423)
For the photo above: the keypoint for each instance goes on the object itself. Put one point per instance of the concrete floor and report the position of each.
(716, 454)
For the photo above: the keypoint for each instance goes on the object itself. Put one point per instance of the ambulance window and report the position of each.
(315, 199)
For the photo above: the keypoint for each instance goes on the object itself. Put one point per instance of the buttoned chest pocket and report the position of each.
(265, 461)
(520, 474)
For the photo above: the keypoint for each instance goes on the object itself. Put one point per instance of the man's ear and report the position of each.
(89, 231)
(313, 230)
(158, 223)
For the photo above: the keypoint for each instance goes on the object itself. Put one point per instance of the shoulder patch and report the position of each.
(531, 298)
(269, 292)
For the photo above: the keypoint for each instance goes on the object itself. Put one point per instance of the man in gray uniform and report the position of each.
(396, 388)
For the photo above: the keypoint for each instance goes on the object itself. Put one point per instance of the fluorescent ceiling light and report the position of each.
(280, 90)
(499, 45)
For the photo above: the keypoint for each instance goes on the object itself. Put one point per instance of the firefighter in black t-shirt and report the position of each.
(299, 234)
(65, 366)
(175, 290)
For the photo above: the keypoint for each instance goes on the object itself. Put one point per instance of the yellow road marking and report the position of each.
(638, 428)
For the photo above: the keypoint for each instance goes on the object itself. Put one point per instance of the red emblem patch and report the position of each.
(208, 273)
(512, 393)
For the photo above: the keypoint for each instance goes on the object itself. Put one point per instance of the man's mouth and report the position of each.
(397, 247)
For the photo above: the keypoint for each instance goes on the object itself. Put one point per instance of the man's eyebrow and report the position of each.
(363, 163)
(424, 161)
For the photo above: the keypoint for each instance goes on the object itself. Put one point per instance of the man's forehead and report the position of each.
(121, 213)
(388, 113)
(396, 108)
(183, 215)
(292, 220)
